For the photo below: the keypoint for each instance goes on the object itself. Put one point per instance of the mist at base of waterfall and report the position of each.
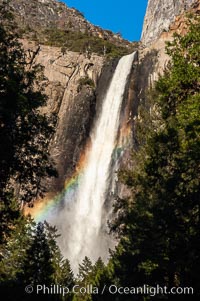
(82, 221)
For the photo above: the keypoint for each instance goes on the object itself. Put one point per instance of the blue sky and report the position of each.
(124, 16)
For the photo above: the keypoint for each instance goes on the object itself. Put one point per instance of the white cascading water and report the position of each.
(86, 217)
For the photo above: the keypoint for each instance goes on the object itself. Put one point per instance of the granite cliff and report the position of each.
(77, 75)
(71, 81)
(162, 20)
(74, 53)
(160, 15)
(53, 23)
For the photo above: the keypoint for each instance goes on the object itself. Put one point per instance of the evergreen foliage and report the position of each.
(63, 274)
(83, 42)
(159, 225)
(28, 252)
(37, 263)
(85, 81)
(24, 132)
(32, 257)
(93, 276)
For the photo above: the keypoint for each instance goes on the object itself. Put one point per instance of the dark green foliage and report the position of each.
(32, 256)
(24, 132)
(159, 225)
(103, 275)
(85, 268)
(86, 276)
(28, 253)
(38, 266)
(63, 274)
(82, 42)
(10, 215)
(85, 81)
(56, 25)
(13, 252)
(95, 276)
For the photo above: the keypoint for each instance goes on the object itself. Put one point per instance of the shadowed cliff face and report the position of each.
(71, 82)
(152, 57)
(75, 102)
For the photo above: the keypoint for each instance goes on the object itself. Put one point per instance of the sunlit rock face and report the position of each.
(72, 102)
(160, 14)
(35, 16)
(75, 107)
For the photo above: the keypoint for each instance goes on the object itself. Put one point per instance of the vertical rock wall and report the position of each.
(160, 14)
(71, 81)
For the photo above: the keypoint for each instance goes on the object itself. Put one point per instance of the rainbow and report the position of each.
(47, 206)
(44, 208)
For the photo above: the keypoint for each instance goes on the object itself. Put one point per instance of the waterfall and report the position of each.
(84, 221)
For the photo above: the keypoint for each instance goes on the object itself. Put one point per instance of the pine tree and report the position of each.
(85, 269)
(102, 276)
(96, 276)
(10, 216)
(159, 225)
(37, 266)
(14, 252)
(63, 274)
(32, 257)
(84, 278)
(24, 131)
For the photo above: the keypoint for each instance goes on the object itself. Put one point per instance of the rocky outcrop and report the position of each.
(71, 98)
(163, 19)
(160, 15)
(77, 82)
(76, 108)
(152, 54)
(36, 16)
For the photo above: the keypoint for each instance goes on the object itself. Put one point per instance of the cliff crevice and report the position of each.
(71, 98)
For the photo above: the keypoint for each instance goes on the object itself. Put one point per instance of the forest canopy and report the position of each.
(159, 224)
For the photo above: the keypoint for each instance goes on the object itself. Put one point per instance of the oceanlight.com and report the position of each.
(111, 289)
